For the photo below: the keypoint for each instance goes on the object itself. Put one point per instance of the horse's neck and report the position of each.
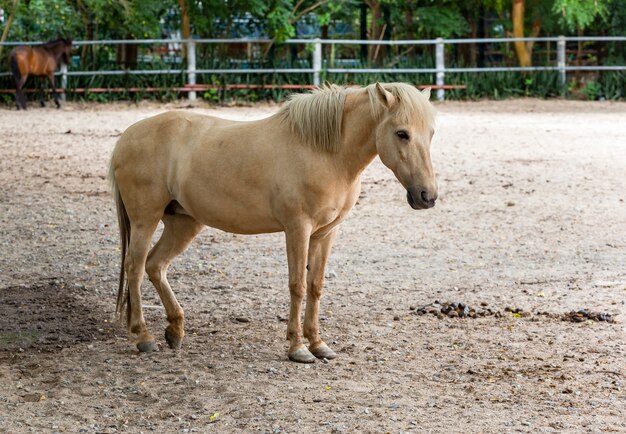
(359, 133)
(55, 49)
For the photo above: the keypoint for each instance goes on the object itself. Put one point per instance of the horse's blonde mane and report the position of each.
(316, 117)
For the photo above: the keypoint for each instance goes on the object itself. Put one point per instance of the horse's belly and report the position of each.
(226, 214)
(249, 226)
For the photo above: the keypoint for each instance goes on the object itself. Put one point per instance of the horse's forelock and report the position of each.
(411, 104)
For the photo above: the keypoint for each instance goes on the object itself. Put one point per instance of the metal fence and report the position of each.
(190, 70)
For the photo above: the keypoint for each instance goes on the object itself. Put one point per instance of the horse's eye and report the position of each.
(402, 134)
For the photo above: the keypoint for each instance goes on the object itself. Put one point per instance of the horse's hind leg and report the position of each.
(20, 98)
(319, 250)
(20, 101)
(140, 240)
(179, 232)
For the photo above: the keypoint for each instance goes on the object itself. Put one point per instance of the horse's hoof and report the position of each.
(173, 340)
(147, 346)
(302, 355)
(322, 351)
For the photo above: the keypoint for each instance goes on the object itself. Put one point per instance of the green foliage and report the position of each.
(44, 20)
(579, 14)
(613, 85)
(134, 19)
(279, 22)
(592, 90)
(48, 19)
(441, 21)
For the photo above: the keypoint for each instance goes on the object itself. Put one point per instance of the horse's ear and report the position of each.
(426, 92)
(385, 96)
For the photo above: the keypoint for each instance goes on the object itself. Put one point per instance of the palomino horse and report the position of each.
(297, 171)
(42, 61)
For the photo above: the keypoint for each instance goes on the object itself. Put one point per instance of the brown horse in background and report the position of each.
(40, 61)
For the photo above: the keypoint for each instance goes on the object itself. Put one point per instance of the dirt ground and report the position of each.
(530, 226)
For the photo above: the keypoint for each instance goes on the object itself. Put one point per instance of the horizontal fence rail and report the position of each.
(190, 71)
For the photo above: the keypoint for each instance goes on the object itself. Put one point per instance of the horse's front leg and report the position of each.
(297, 247)
(319, 251)
(55, 95)
(42, 91)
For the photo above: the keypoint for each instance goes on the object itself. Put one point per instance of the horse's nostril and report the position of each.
(427, 197)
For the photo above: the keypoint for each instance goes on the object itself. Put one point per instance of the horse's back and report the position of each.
(159, 135)
(156, 150)
(33, 61)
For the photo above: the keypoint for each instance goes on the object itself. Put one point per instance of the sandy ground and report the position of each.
(530, 226)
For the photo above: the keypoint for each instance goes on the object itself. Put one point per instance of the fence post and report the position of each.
(317, 61)
(560, 59)
(191, 68)
(440, 59)
(63, 81)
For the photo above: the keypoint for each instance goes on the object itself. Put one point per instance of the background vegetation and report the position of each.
(38, 20)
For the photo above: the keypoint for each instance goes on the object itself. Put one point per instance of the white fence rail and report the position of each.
(191, 71)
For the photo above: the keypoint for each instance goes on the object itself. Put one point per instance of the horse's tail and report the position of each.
(123, 295)
(15, 68)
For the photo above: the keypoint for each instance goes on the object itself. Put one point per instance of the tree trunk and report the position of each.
(386, 33)
(517, 15)
(363, 30)
(375, 28)
(408, 22)
(473, 46)
(126, 55)
(325, 47)
(481, 35)
(185, 27)
(524, 50)
(5, 32)
(579, 55)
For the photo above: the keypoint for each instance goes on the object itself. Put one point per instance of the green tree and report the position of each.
(441, 21)
(579, 14)
(8, 7)
(42, 20)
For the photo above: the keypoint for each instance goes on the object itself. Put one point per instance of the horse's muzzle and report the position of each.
(423, 200)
